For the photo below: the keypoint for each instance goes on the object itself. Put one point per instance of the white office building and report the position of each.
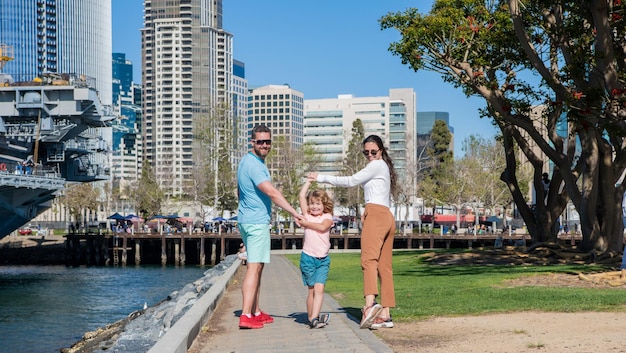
(328, 125)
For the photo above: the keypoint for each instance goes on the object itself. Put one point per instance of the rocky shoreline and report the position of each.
(142, 329)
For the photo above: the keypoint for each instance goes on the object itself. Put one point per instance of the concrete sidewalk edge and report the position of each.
(179, 337)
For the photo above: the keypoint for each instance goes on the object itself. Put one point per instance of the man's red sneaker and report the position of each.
(249, 322)
(264, 318)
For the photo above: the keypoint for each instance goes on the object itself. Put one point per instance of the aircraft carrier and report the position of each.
(51, 134)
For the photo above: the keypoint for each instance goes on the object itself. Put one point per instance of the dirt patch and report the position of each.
(515, 332)
(580, 332)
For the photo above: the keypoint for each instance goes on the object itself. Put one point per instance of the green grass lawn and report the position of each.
(424, 289)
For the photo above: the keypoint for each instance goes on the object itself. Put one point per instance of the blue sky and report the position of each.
(322, 48)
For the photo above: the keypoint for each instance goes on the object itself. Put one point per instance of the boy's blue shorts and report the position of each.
(314, 269)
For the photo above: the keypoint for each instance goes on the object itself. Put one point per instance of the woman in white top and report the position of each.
(379, 183)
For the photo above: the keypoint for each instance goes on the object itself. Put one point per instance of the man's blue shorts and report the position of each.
(314, 269)
(256, 238)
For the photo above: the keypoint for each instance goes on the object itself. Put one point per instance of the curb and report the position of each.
(180, 336)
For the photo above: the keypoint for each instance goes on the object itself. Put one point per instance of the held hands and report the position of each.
(312, 176)
(301, 222)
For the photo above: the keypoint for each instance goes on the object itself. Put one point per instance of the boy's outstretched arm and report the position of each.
(304, 205)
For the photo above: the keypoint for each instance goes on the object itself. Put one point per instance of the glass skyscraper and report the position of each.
(126, 138)
(59, 36)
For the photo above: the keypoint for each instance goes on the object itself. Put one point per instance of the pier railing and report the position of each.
(201, 247)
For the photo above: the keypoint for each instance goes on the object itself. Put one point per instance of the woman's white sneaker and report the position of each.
(380, 322)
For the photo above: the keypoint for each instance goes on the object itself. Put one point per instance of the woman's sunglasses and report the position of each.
(367, 153)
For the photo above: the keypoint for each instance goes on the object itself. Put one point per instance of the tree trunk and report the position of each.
(601, 217)
(541, 218)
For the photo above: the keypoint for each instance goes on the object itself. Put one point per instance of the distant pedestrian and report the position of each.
(317, 208)
(379, 184)
(256, 194)
(545, 182)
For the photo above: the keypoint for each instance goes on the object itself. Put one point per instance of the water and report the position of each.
(45, 308)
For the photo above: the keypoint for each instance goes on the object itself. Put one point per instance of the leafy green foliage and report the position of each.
(352, 198)
(552, 74)
(439, 179)
(79, 198)
(215, 180)
(289, 166)
(149, 195)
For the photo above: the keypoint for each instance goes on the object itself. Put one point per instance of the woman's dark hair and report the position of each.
(392, 171)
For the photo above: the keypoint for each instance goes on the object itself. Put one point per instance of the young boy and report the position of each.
(317, 208)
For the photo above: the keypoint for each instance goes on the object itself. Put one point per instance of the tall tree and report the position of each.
(81, 199)
(149, 195)
(406, 186)
(567, 57)
(438, 185)
(214, 182)
(441, 138)
(486, 158)
(289, 165)
(352, 198)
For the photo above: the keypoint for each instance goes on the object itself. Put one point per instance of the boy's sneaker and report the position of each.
(264, 317)
(380, 322)
(316, 323)
(249, 322)
(325, 318)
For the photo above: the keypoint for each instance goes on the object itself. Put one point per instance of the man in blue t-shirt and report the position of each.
(256, 193)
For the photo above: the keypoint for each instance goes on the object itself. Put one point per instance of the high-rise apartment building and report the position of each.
(281, 108)
(59, 36)
(328, 126)
(188, 88)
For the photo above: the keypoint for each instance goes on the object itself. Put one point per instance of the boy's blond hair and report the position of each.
(323, 197)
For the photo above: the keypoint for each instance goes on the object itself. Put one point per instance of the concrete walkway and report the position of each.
(283, 296)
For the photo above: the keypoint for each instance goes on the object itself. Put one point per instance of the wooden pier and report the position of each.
(211, 248)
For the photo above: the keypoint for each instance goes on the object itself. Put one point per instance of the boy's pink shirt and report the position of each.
(316, 244)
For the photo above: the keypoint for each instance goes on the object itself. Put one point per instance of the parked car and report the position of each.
(25, 231)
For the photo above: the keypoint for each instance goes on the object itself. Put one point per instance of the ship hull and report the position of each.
(22, 200)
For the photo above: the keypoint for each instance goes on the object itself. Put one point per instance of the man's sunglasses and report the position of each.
(261, 142)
